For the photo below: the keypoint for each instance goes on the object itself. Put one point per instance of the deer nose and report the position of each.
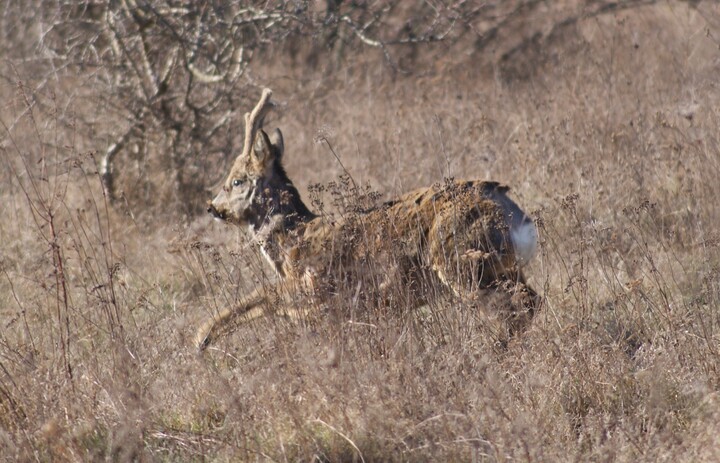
(215, 213)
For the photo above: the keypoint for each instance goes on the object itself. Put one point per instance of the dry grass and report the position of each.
(606, 128)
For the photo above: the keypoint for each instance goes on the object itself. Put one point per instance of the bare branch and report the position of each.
(222, 120)
(204, 77)
(360, 34)
(106, 163)
(176, 72)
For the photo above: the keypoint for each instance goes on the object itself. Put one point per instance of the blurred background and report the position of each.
(119, 119)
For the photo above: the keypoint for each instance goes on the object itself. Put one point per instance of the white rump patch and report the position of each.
(524, 239)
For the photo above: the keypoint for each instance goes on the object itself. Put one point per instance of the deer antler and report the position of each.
(254, 120)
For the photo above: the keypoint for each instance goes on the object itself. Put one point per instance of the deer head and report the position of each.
(241, 199)
(258, 192)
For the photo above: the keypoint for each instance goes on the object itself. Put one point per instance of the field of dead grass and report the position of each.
(605, 127)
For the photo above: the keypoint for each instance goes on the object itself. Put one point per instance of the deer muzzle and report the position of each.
(214, 212)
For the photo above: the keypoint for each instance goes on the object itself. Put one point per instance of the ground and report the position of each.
(604, 123)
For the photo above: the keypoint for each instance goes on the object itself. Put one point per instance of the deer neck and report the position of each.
(279, 214)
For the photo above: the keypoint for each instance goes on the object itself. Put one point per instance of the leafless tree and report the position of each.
(170, 76)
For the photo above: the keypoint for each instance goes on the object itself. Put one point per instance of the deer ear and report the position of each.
(261, 153)
(277, 140)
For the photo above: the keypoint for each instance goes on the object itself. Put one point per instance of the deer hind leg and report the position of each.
(524, 303)
(462, 254)
(471, 268)
(507, 295)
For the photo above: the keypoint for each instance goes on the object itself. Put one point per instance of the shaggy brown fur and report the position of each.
(467, 235)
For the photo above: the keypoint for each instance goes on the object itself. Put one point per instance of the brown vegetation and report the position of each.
(462, 237)
(603, 116)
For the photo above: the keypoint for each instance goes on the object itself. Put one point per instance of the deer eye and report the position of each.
(237, 182)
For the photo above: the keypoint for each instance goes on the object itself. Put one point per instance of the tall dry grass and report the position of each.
(604, 124)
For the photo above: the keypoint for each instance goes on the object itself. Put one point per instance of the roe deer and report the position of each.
(467, 235)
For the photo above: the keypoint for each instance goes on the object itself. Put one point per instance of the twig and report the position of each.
(330, 427)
